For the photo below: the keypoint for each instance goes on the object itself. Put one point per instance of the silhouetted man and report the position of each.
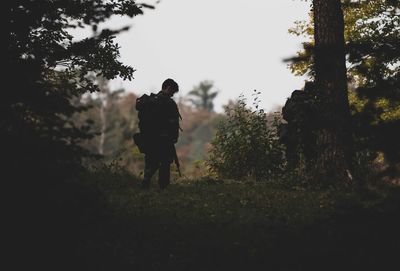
(160, 131)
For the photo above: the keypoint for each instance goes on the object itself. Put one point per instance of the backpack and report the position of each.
(149, 114)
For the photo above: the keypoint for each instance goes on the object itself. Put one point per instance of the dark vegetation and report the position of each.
(226, 225)
(371, 36)
(245, 201)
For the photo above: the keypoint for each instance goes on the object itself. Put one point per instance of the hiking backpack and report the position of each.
(149, 114)
(149, 120)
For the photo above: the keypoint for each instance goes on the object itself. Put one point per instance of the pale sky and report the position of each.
(238, 44)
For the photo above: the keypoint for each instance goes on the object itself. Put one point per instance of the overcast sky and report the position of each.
(238, 44)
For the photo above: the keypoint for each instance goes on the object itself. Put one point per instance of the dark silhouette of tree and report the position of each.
(372, 30)
(46, 69)
(202, 96)
(333, 137)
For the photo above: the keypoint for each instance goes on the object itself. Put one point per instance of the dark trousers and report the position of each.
(152, 164)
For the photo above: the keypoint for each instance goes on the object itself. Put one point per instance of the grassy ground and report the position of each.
(227, 226)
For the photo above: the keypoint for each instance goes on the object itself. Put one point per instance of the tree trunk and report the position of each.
(103, 125)
(334, 137)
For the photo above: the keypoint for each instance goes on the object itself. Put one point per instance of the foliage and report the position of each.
(372, 31)
(46, 70)
(245, 147)
(114, 120)
(198, 128)
(205, 225)
(202, 97)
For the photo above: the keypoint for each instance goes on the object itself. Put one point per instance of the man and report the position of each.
(161, 132)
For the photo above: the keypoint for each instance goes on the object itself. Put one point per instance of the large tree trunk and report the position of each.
(334, 137)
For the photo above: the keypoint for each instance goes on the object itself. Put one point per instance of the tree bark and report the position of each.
(333, 160)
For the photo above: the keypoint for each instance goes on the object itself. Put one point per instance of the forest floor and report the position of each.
(225, 226)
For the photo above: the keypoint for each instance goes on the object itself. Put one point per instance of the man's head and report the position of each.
(170, 87)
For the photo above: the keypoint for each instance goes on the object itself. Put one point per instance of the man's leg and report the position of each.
(164, 174)
(150, 167)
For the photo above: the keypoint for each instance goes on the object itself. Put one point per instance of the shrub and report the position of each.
(246, 146)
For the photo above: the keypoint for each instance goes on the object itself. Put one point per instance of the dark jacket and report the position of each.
(169, 117)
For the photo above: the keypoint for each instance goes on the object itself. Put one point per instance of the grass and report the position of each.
(229, 226)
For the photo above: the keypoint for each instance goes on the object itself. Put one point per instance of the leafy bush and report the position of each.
(246, 146)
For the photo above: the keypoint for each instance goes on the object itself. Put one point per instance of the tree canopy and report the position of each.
(202, 96)
(46, 67)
